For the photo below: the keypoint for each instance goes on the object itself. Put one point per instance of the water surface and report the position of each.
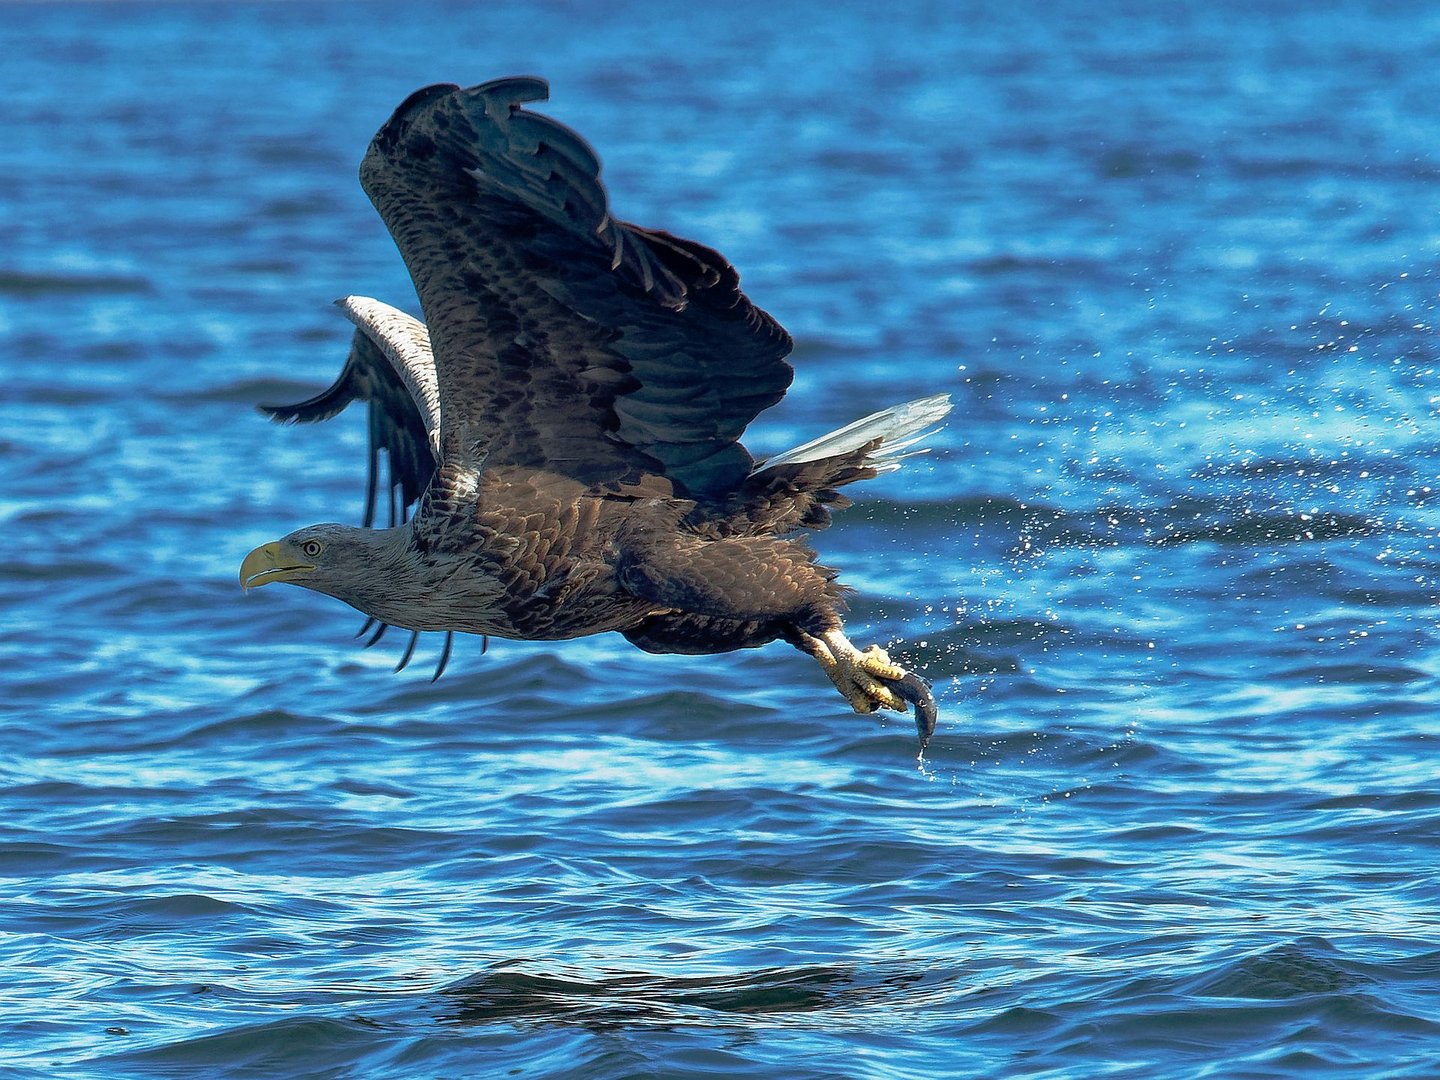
(1172, 566)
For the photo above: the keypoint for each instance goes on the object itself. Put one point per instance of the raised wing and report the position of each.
(566, 340)
(397, 423)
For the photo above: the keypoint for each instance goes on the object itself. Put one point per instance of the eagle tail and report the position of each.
(893, 431)
(799, 488)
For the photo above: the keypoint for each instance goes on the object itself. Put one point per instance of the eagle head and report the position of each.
(339, 560)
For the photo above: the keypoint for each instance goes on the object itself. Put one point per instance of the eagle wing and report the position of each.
(566, 340)
(397, 423)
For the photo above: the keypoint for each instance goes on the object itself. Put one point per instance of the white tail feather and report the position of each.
(901, 426)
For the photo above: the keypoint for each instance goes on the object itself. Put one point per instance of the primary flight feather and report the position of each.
(562, 430)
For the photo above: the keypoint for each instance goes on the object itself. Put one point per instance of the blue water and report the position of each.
(1173, 566)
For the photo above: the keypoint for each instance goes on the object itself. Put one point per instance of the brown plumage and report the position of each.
(565, 423)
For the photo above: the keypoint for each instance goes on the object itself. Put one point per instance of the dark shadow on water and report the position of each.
(804, 995)
(513, 1012)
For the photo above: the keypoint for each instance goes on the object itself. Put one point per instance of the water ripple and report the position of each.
(1172, 565)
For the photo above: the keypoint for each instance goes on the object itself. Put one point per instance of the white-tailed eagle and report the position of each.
(562, 431)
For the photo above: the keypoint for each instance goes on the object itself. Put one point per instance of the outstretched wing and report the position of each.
(397, 424)
(566, 340)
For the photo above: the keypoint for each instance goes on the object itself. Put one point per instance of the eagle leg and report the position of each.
(870, 680)
(740, 591)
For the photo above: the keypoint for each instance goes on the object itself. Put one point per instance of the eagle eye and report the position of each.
(312, 548)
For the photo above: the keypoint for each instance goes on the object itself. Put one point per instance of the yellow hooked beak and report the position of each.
(278, 561)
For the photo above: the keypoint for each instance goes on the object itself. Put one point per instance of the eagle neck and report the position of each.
(391, 582)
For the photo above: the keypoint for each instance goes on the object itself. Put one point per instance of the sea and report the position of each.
(1172, 565)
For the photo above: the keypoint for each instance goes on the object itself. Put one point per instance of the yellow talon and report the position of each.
(877, 662)
(878, 693)
(861, 677)
(870, 680)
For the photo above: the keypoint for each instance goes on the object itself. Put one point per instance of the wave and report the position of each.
(1187, 520)
(30, 284)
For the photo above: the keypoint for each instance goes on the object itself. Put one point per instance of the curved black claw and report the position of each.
(445, 654)
(916, 690)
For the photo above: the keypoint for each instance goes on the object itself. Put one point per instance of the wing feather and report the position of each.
(396, 424)
(572, 340)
